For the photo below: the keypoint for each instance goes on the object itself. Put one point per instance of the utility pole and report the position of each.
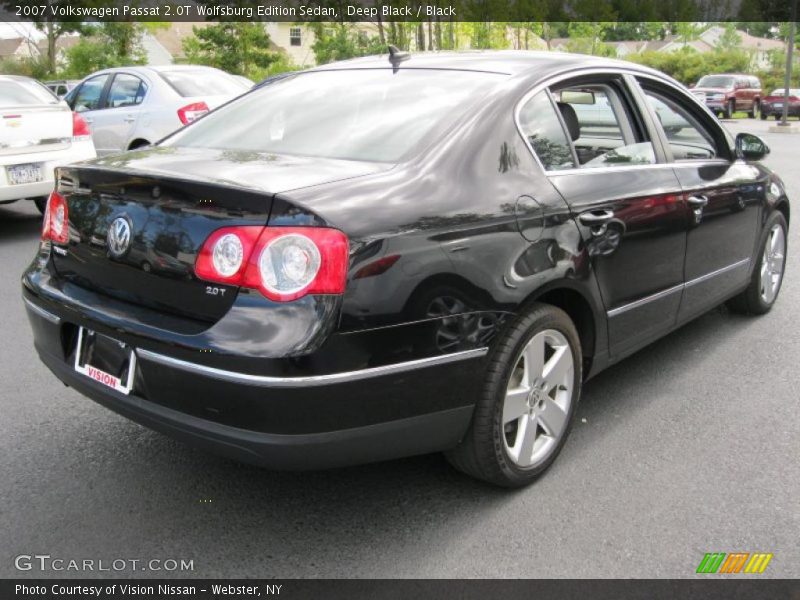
(787, 82)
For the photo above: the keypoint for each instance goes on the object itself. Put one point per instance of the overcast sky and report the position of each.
(17, 29)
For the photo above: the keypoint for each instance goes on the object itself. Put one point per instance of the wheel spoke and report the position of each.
(553, 418)
(526, 437)
(516, 404)
(557, 368)
(534, 359)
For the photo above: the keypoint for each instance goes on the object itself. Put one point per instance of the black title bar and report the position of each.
(396, 10)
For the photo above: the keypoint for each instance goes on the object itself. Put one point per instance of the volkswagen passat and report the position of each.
(376, 259)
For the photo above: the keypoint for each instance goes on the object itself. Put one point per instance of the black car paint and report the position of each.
(476, 221)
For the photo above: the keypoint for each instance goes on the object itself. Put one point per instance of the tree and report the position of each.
(52, 29)
(242, 48)
(340, 41)
(109, 44)
(730, 38)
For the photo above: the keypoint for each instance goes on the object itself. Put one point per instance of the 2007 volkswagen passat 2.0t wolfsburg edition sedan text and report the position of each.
(380, 258)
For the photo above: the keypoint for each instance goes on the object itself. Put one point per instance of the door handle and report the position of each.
(130, 119)
(698, 201)
(597, 220)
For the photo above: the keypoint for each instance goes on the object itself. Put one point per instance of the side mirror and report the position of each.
(750, 147)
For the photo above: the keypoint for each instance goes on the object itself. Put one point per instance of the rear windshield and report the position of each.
(373, 114)
(719, 81)
(202, 82)
(781, 92)
(20, 92)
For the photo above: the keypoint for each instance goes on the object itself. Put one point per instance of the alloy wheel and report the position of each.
(772, 263)
(538, 399)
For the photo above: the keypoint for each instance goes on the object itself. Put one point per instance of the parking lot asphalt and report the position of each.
(690, 446)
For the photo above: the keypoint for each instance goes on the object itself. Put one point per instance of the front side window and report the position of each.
(359, 114)
(687, 138)
(602, 131)
(88, 96)
(541, 127)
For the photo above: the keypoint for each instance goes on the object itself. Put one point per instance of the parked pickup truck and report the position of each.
(726, 94)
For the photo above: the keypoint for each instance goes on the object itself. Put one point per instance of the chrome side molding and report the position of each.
(677, 288)
(311, 380)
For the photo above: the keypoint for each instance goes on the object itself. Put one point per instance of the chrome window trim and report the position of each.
(311, 380)
(675, 288)
(579, 72)
(42, 312)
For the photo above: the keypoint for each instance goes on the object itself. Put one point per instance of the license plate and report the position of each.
(21, 174)
(105, 360)
(778, 105)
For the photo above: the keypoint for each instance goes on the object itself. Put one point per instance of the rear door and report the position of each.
(721, 193)
(626, 200)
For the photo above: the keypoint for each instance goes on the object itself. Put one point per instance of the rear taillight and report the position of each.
(192, 112)
(284, 263)
(80, 128)
(56, 218)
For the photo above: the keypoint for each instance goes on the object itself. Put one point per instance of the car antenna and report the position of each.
(396, 56)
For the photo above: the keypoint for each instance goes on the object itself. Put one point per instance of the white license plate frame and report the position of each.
(25, 173)
(100, 376)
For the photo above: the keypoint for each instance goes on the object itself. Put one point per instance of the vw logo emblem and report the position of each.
(119, 237)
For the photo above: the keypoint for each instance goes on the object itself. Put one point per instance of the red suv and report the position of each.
(726, 94)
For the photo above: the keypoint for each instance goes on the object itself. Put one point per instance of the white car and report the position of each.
(38, 132)
(131, 107)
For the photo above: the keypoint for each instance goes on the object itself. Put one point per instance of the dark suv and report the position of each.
(726, 94)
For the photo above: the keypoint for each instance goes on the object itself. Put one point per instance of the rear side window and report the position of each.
(20, 92)
(359, 114)
(687, 138)
(202, 82)
(541, 127)
(126, 90)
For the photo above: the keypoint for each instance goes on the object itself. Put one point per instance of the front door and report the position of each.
(627, 201)
(87, 100)
(723, 201)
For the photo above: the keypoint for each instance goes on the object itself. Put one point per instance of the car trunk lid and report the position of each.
(171, 200)
(27, 129)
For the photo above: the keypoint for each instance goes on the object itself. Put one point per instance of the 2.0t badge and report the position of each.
(119, 237)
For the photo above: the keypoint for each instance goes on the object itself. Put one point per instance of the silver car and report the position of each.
(131, 107)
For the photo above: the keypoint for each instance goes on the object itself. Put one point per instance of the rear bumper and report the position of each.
(283, 422)
(381, 441)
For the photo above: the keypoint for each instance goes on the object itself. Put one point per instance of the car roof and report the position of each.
(15, 78)
(508, 62)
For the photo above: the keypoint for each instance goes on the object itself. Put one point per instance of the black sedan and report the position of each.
(402, 254)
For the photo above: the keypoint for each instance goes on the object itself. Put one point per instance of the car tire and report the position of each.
(41, 203)
(730, 108)
(754, 112)
(763, 116)
(519, 379)
(765, 284)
